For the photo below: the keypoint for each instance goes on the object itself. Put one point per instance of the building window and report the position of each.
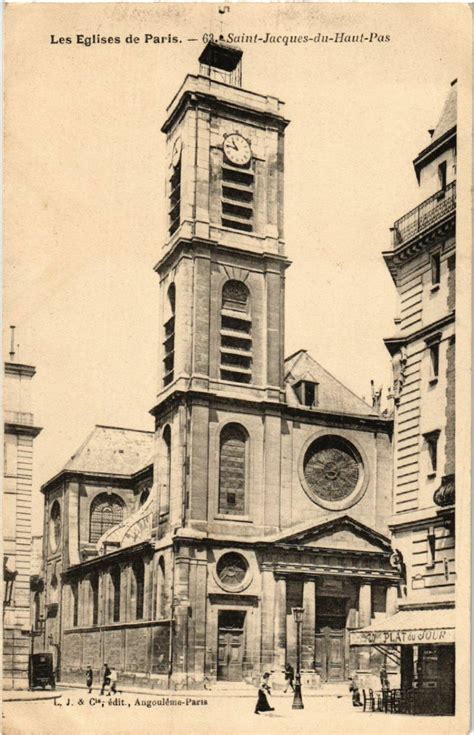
(238, 187)
(332, 472)
(442, 174)
(161, 590)
(431, 548)
(168, 343)
(166, 486)
(175, 198)
(435, 269)
(434, 360)
(233, 470)
(431, 440)
(138, 569)
(55, 526)
(307, 393)
(106, 512)
(115, 579)
(236, 333)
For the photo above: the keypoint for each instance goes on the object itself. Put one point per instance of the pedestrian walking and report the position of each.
(113, 681)
(354, 690)
(384, 682)
(264, 691)
(105, 678)
(289, 677)
(89, 679)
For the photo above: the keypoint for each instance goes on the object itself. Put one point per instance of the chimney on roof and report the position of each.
(453, 82)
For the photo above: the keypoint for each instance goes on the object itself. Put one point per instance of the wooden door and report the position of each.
(330, 654)
(230, 647)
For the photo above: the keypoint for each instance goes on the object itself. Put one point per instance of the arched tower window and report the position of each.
(233, 470)
(161, 593)
(138, 591)
(236, 333)
(55, 526)
(106, 512)
(168, 343)
(166, 487)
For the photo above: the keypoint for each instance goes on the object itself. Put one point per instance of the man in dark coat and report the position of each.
(105, 678)
(289, 677)
(89, 679)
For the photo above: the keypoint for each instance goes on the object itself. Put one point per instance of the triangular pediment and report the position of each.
(340, 533)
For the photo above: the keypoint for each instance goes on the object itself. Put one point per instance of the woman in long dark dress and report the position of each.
(264, 690)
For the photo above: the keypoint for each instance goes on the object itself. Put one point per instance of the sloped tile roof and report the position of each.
(111, 450)
(332, 395)
(447, 119)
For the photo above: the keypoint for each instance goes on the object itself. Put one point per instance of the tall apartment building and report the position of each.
(422, 265)
(20, 431)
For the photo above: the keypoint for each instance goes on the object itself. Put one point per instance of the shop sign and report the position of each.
(402, 637)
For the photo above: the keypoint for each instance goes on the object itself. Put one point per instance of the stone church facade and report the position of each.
(177, 556)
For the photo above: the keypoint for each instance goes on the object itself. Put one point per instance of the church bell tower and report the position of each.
(222, 268)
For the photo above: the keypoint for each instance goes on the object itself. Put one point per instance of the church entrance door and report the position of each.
(231, 644)
(330, 638)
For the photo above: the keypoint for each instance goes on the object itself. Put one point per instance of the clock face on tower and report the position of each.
(237, 149)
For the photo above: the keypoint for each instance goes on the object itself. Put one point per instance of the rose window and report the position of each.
(332, 469)
(232, 570)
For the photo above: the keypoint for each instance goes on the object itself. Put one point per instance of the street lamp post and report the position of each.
(297, 699)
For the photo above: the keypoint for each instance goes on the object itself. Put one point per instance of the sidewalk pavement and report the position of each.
(219, 690)
(25, 695)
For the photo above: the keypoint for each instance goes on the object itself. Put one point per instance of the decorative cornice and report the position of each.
(96, 477)
(13, 428)
(17, 368)
(196, 247)
(320, 417)
(192, 99)
(408, 250)
(393, 344)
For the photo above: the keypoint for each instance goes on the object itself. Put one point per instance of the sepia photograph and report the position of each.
(234, 406)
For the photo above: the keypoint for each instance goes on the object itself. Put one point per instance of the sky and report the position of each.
(84, 188)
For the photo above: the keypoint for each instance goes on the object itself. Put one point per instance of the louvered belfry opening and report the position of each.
(175, 198)
(238, 186)
(168, 342)
(236, 333)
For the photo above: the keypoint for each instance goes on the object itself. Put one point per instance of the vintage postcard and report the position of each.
(236, 368)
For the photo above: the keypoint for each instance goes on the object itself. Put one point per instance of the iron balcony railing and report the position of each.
(427, 213)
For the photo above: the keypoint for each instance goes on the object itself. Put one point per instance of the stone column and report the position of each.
(309, 625)
(280, 624)
(365, 605)
(268, 619)
(391, 600)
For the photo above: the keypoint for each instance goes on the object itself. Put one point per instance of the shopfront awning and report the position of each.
(410, 627)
